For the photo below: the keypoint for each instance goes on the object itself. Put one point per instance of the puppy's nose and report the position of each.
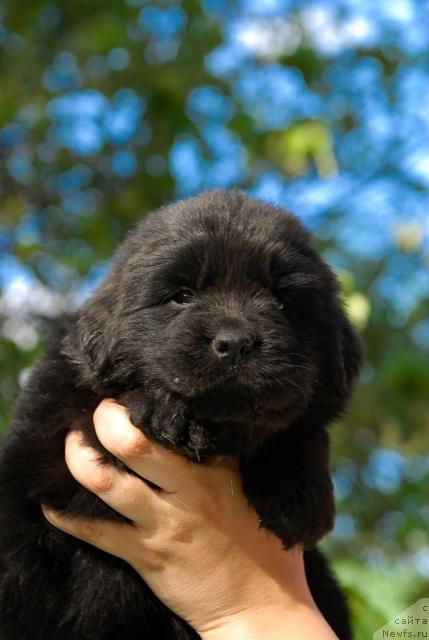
(232, 345)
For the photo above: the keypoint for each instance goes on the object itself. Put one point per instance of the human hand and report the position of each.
(195, 540)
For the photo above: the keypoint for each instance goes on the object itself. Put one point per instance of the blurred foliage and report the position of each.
(376, 596)
(108, 110)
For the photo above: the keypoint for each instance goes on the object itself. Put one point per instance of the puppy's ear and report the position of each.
(339, 370)
(348, 361)
(90, 341)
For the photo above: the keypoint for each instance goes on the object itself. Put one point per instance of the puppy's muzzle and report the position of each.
(232, 346)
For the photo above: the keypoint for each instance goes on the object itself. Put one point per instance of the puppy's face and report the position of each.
(223, 300)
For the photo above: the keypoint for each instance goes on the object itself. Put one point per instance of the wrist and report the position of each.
(279, 605)
(247, 625)
(299, 621)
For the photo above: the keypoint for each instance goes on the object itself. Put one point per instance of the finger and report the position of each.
(128, 443)
(125, 493)
(113, 537)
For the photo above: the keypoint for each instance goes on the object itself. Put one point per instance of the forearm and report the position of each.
(297, 622)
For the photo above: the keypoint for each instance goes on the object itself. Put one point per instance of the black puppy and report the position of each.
(221, 330)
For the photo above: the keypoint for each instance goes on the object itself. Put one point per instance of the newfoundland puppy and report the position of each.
(220, 328)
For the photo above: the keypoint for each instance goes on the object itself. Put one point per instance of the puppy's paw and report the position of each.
(289, 484)
(303, 513)
(166, 420)
(169, 423)
(139, 406)
(200, 444)
(172, 427)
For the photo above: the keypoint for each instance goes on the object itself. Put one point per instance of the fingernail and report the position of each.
(48, 512)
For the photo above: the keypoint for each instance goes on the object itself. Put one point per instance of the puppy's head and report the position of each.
(222, 300)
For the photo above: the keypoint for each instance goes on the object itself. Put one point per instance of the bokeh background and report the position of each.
(111, 109)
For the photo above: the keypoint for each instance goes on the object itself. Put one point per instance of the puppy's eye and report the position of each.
(184, 296)
(280, 302)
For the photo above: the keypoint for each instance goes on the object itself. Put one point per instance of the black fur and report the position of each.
(250, 270)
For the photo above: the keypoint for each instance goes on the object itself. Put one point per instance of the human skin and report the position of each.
(195, 540)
